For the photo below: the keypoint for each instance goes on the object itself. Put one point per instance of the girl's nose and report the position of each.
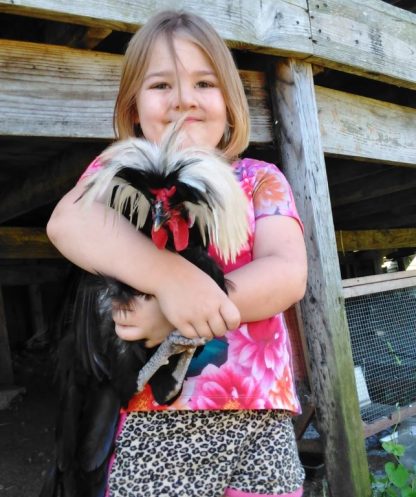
(185, 98)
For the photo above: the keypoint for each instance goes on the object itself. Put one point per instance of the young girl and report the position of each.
(230, 431)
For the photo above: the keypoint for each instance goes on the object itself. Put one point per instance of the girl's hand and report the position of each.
(143, 319)
(196, 306)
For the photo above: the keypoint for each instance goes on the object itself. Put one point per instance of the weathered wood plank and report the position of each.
(395, 418)
(365, 37)
(6, 368)
(366, 285)
(47, 183)
(278, 26)
(36, 308)
(348, 241)
(365, 128)
(369, 38)
(393, 181)
(26, 243)
(54, 91)
(403, 199)
(39, 98)
(323, 314)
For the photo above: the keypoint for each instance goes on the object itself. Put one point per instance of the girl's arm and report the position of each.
(276, 278)
(271, 283)
(100, 241)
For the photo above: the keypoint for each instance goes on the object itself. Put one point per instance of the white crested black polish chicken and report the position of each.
(184, 200)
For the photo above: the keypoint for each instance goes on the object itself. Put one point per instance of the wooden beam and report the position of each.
(342, 171)
(395, 418)
(6, 368)
(29, 272)
(366, 285)
(94, 36)
(281, 26)
(398, 179)
(323, 313)
(46, 183)
(26, 243)
(39, 97)
(347, 241)
(370, 38)
(399, 218)
(402, 199)
(56, 91)
(365, 128)
(36, 307)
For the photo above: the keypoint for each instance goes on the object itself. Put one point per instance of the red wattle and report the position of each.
(180, 230)
(160, 238)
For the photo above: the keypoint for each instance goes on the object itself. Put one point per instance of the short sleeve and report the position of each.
(92, 168)
(272, 194)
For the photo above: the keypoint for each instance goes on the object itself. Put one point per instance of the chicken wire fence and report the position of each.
(383, 339)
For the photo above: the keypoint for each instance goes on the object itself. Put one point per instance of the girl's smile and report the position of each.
(188, 85)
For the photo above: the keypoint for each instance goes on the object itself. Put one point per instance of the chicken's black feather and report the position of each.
(97, 371)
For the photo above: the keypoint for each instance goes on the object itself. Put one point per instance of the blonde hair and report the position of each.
(200, 32)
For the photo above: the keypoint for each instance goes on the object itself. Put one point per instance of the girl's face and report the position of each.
(191, 87)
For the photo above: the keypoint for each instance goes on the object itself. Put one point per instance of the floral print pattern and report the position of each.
(252, 367)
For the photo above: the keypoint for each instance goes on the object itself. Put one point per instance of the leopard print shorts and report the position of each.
(205, 454)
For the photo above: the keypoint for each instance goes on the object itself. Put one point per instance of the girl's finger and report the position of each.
(129, 333)
(230, 315)
(218, 326)
(203, 330)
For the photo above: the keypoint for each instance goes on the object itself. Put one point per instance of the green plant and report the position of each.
(398, 480)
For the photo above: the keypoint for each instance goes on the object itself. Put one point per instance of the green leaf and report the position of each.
(398, 475)
(408, 492)
(394, 448)
(390, 492)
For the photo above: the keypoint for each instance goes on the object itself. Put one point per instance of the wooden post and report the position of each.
(6, 370)
(38, 319)
(322, 309)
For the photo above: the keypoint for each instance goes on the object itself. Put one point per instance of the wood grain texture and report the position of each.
(26, 243)
(277, 26)
(366, 37)
(365, 128)
(46, 183)
(53, 91)
(369, 38)
(367, 285)
(323, 313)
(58, 92)
(6, 368)
(348, 241)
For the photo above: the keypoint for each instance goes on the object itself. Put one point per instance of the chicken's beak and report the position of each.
(159, 216)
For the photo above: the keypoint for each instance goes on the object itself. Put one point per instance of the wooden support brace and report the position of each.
(322, 309)
(6, 370)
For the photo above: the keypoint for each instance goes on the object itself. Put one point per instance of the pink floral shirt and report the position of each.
(251, 367)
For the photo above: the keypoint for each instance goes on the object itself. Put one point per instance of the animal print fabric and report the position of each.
(202, 453)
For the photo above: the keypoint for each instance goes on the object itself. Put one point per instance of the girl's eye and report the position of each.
(205, 84)
(159, 86)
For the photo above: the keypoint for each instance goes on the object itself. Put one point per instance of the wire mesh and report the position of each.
(383, 339)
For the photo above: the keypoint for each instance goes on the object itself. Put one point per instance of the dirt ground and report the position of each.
(26, 431)
(26, 427)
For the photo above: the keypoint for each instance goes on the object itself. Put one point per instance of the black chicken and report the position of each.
(184, 199)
